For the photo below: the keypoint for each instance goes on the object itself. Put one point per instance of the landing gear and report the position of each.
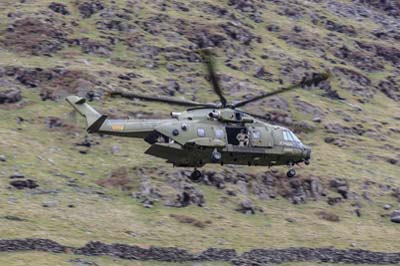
(196, 175)
(216, 156)
(291, 173)
(306, 162)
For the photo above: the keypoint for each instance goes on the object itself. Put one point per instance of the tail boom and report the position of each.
(97, 123)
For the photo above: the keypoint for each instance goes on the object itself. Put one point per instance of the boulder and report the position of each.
(246, 207)
(341, 187)
(186, 193)
(261, 73)
(333, 26)
(317, 119)
(89, 46)
(89, 8)
(316, 188)
(387, 206)
(214, 179)
(54, 122)
(189, 196)
(16, 175)
(243, 5)
(86, 142)
(273, 28)
(59, 8)
(10, 96)
(390, 88)
(242, 185)
(23, 184)
(334, 200)
(148, 194)
(396, 193)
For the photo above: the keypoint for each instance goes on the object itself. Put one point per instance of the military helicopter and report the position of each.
(208, 132)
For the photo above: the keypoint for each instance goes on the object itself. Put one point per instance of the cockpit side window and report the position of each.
(286, 136)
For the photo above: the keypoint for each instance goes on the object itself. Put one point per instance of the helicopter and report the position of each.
(208, 133)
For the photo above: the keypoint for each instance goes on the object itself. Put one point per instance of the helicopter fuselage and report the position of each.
(209, 132)
(201, 136)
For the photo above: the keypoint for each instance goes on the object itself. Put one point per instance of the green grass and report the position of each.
(46, 259)
(41, 153)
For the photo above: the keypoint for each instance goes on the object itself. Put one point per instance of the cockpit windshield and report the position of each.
(295, 138)
(290, 136)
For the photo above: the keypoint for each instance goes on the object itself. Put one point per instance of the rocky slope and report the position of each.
(58, 183)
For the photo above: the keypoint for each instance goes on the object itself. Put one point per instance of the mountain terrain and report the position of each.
(60, 184)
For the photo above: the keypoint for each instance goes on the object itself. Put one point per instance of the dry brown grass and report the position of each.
(328, 216)
(190, 220)
(117, 179)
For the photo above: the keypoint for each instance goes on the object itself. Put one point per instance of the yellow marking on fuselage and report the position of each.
(117, 127)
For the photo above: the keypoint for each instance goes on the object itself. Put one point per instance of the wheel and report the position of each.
(306, 162)
(291, 173)
(196, 176)
(216, 156)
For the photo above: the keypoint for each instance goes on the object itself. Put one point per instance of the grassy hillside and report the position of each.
(51, 49)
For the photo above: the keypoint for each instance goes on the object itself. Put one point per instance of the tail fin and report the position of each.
(94, 120)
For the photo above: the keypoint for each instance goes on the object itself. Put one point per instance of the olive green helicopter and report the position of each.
(208, 132)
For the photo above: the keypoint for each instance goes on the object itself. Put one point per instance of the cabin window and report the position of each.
(219, 133)
(201, 132)
(256, 134)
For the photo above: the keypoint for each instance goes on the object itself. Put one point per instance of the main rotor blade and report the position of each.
(296, 127)
(266, 118)
(210, 64)
(315, 79)
(132, 96)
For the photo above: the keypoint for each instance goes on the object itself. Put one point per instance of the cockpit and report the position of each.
(289, 136)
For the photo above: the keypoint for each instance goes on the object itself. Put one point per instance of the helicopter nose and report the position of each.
(307, 153)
